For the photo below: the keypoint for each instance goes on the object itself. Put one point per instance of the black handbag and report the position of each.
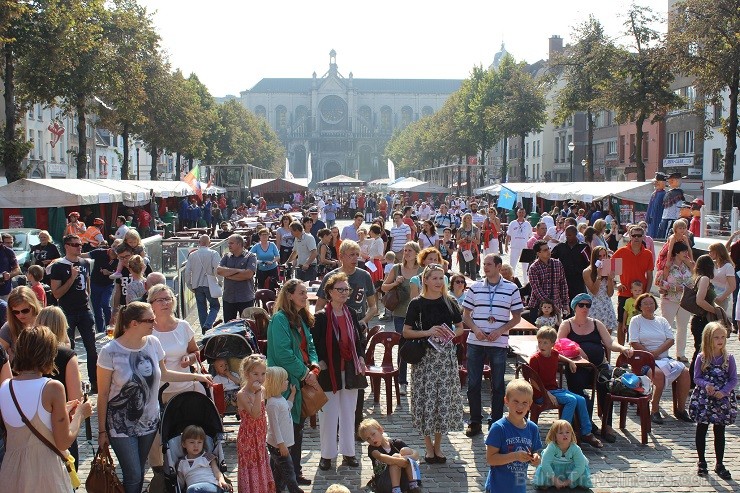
(413, 350)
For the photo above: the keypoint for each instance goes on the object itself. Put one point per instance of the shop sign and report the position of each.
(678, 161)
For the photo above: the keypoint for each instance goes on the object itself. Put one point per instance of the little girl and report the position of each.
(131, 243)
(548, 315)
(229, 379)
(563, 463)
(665, 259)
(254, 464)
(135, 289)
(199, 470)
(280, 429)
(713, 400)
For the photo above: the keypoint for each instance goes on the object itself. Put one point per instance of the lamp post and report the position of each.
(138, 148)
(584, 162)
(571, 148)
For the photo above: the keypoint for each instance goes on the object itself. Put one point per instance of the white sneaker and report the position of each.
(402, 389)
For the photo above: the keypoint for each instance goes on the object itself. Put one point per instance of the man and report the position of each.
(491, 307)
(517, 235)
(154, 279)
(8, 266)
(371, 207)
(425, 211)
(93, 235)
(144, 221)
(121, 229)
(443, 219)
(547, 219)
(105, 261)
(304, 253)
(548, 282)
(671, 204)
(637, 265)
(555, 232)
(202, 263)
(330, 213)
(316, 223)
(400, 234)
(409, 220)
(540, 232)
(349, 232)
(478, 218)
(121, 284)
(74, 225)
(581, 218)
(655, 206)
(237, 268)
(574, 258)
(70, 285)
(320, 205)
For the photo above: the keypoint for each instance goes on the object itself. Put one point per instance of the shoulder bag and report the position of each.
(392, 298)
(103, 477)
(214, 288)
(312, 400)
(688, 300)
(412, 351)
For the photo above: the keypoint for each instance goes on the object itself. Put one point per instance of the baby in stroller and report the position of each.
(229, 379)
(198, 471)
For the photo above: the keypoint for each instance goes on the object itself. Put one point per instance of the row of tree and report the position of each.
(104, 57)
(632, 78)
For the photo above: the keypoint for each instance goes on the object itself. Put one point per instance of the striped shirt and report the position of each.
(492, 300)
(399, 236)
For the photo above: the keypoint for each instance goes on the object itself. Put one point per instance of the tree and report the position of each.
(704, 43)
(639, 89)
(585, 68)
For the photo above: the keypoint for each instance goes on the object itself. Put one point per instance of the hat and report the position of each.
(684, 205)
(698, 201)
(75, 214)
(580, 297)
(313, 210)
(97, 220)
(676, 175)
(571, 201)
(659, 176)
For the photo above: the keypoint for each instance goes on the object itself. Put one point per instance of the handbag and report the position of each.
(392, 298)
(214, 288)
(103, 477)
(412, 351)
(312, 400)
(688, 300)
(67, 459)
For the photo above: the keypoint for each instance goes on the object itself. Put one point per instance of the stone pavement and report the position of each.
(666, 464)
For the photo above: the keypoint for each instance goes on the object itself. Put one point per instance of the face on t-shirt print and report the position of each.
(126, 409)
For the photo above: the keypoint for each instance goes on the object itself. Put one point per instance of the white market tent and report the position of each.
(167, 189)
(427, 187)
(37, 193)
(132, 194)
(406, 184)
(638, 192)
(342, 181)
(733, 186)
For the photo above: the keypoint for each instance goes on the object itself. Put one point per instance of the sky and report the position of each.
(232, 44)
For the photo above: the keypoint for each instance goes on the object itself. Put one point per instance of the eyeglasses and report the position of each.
(435, 267)
(343, 290)
(74, 245)
(147, 320)
(583, 305)
(23, 311)
(163, 300)
(636, 235)
(459, 281)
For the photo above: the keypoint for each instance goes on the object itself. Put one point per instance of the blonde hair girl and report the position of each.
(563, 463)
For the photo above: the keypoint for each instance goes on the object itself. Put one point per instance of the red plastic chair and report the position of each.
(462, 358)
(531, 376)
(262, 296)
(270, 307)
(386, 370)
(371, 332)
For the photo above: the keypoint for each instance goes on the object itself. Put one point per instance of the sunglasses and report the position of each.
(343, 290)
(459, 281)
(147, 320)
(19, 312)
(636, 236)
(74, 245)
(583, 305)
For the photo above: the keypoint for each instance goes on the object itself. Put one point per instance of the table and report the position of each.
(525, 345)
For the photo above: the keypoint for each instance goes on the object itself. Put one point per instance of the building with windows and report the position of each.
(343, 123)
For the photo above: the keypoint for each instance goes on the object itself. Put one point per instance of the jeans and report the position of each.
(573, 403)
(402, 366)
(295, 450)
(203, 300)
(305, 275)
(469, 269)
(283, 471)
(83, 321)
(234, 310)
(497, 360)
(203, 488)
(100, 295)
(665, 227)
(131, 453)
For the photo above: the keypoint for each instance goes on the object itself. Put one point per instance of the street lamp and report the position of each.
(138, 147)
(584, 162)
(571, 148)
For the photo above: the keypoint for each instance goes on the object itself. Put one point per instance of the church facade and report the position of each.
(343, 123)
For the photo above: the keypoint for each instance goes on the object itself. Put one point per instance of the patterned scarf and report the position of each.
(333, 331)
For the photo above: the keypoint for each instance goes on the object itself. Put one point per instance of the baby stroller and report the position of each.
(189, 408)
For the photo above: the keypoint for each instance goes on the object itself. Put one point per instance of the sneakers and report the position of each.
(115, 275)
(684, 416)
(324, 464)
(402, 389)
(473, 429)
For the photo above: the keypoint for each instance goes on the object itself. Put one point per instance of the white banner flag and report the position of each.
(391, 171)
(288, 174)
(309, 168)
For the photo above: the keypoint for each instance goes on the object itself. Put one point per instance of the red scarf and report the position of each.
(333, 332)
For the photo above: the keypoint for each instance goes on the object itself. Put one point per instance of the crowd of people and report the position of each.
(435, 269)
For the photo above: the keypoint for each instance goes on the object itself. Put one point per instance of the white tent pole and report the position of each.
(702, 223)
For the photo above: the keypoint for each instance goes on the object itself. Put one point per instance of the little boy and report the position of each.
(229, 379)
(35, 275)
(513, 442)
(545, 363)
(447, 247)
(135, 289)
(391, 458)
(636, 288)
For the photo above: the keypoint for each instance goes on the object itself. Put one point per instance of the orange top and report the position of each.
(634, 268)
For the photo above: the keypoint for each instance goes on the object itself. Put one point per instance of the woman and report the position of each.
(651, 333)
(613, 236)
(705, 296)
(724, 275)
(46, 251)
(594, 339)
(336, 241)
(339, 347)
(598, 238)
(601, 288)
(671, 290)
(647, 240)
(284, 238)
(375, 253)
(29, 465)
(426, 257)
(458, 286)
(436, 403)
(66, 367)
(23, 307)
(399, 278)
(290, 346)
(129, 371)
(383, 208)
(428, 236)
(267, 258)
(327, 257)
(468, 237)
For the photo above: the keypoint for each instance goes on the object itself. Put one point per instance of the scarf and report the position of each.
(489, 232)
(333, 332)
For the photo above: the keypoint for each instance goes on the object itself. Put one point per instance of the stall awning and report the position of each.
(633, 191)
(166, 189)
(733, 186)
(133, 195)
(406, 184)
(278, 185)
(342, 181)
(50, 193)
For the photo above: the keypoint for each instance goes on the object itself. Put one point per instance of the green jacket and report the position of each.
(284, 350)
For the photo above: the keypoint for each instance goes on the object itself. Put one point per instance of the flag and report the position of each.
(288, 174)
(391, 171)
(506, 199)
(309, 169)
(193, 179)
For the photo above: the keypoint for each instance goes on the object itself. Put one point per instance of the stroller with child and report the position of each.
(189, 408)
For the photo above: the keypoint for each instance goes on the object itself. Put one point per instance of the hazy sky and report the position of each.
(232, 44)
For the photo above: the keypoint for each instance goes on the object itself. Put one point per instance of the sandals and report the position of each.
(722, 472)
(592, 440)
(684, 416)
(701, 469)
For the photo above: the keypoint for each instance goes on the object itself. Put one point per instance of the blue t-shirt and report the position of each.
(266, 258)
(512, 477)
(330, 212)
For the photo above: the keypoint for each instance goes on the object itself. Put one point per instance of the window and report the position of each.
(632, 148)
(32, 152)
(716, 160)
(40, 111)
(622, 142)
(557, 149)
(673, 143)
(611, 147)
(714, 199)
(688, 144)
(538, 149)
(30, 113)
(717, 115)
(40, 143)
(527, 151)
(690, 94)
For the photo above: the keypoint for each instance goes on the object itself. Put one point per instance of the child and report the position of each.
(280, 428)
(135, 289)
(512, 442)
(390, 459)
(390, 260)
(35, 275)
(228, 379)
(254, 464)
(548, 315)
(665, 259)
(131, 243)
(545, 363)
(636, 289)
(713, 400)
(563, 463)
(199, 470)
(447, 246)
(337, 488)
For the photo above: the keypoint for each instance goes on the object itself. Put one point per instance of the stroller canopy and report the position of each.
(190, 408)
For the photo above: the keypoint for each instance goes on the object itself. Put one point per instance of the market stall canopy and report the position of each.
(733, 186)
(382, 182)
(133, 195)
(633, 191)
(49, 193)
(278, 185)
(166, 189)
(213, 189)
(405, 184)
(427, 187)
(342, 181)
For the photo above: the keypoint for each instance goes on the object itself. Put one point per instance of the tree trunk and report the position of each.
(522, 136)
(468, 177)
(482, 167)
(590, 149)
(638, 148)
(125, 164)
(153, 172)
(190, 165)
(81, 159)
(504, 163)
(177, 166)
(10, 159)
(731, 140)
